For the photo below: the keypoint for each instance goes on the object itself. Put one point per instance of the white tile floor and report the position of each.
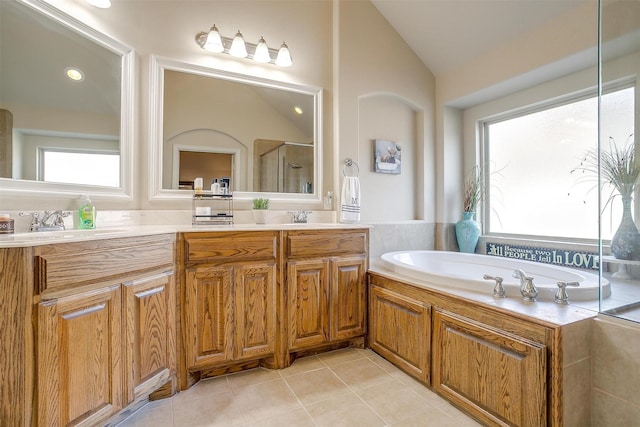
(350, 387)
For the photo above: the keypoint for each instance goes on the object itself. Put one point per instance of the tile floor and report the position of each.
(350, 387)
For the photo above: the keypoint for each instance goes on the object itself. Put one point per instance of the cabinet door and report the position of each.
(499, 377)
(208, 316)
(308, 298)
(255, 310)
(347, 304)
(400, 331)
(149, 326)
(79, 379)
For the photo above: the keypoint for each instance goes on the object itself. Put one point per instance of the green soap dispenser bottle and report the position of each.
(87, 214)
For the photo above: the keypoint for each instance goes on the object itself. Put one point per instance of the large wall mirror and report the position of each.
(66, 104)
(258, 136)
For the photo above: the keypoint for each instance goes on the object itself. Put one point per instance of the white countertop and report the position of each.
(74, 235)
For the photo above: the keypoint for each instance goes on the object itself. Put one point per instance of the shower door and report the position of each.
(287, 169)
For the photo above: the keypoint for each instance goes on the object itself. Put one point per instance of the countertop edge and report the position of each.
(19, 240)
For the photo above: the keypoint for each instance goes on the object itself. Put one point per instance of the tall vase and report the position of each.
(626, 242)
(467, 233)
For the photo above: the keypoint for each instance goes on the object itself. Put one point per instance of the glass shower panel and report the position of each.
(618, 119)
(287, 169)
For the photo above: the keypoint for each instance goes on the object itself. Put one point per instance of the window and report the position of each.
(80, 167)
(531, 189)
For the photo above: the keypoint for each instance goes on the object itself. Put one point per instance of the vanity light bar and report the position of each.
(280, 57)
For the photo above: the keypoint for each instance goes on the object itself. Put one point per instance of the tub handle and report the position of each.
(562, 297)
(498, 290)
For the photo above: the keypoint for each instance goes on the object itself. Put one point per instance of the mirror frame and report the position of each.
(156, 108)
(14, 187)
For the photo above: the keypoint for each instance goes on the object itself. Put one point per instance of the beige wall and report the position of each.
(343, 46)
(384, 91)
(562, 46)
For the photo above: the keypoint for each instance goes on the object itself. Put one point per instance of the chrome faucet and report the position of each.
(561, 295)
(50, 221)
(498, 290)
(528, 290)
(299, 217)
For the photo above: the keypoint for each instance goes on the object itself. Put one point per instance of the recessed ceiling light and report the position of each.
(102, 4)
(297, 109)
(74, 74)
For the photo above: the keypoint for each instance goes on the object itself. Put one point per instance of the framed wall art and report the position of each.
(386, 157)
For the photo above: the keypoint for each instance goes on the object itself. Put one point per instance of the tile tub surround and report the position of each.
(577, 368)
(616, 389)
(405, 235)
(348, 387)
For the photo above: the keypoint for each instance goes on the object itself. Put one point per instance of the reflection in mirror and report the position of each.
(261, 136)
(64, 101)
(285, 167)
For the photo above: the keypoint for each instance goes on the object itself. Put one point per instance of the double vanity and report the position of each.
(94, 324)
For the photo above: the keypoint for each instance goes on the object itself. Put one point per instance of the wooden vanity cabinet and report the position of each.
(105, 332)
(149, 326)
(79, 358)
(326, 286)
(230, 294)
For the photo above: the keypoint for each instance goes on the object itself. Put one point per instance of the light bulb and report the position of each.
(284, 57)
(74, 74)
(262, 52)
(214, 41)
(238, 48)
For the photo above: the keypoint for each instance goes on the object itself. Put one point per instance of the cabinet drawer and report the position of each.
(231, 247)
(62, 266)
(318, 243)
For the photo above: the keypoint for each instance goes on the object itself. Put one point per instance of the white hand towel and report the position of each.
(350, 208)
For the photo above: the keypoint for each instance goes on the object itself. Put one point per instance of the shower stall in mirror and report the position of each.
(286, 168)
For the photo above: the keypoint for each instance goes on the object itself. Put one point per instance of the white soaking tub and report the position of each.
(466, 271)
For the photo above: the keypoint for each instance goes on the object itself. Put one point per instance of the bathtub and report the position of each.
(466, 271)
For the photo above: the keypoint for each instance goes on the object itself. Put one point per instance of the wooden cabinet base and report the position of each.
(263, 298)
(502, 368)
(499, 377)
(400, 331)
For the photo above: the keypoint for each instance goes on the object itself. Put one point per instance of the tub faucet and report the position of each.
(528, 290)
(561, 295)
(498, 290)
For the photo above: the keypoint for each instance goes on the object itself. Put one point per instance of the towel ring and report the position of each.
(350, 163)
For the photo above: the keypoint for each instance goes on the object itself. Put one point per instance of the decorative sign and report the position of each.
(563, 257)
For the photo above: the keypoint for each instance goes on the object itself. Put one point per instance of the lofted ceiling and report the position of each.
(446, 34)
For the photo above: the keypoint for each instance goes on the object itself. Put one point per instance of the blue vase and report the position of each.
(467, 233)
